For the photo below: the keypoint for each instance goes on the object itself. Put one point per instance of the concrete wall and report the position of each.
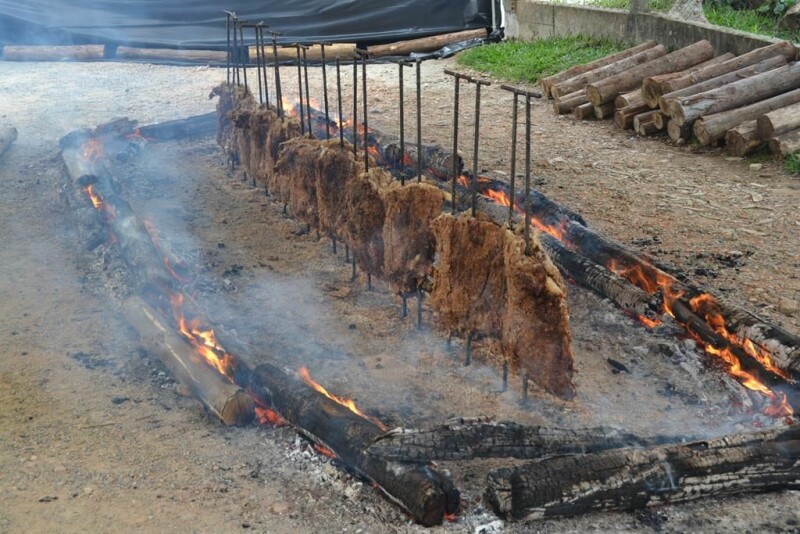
(534, 19)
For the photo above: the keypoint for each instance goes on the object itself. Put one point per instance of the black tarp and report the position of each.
(201, 23)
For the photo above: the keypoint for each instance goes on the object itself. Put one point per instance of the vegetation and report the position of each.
(792, 163)
(660, 6)
(764, 22)
(521, 61)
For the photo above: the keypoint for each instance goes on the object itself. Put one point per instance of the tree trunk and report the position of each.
(785, 145)
(584, 111)
(630, 479)
(425, 493)
(188, 128)
(568, 103)
(652, 86)
(773, 123)
(166, 54)
(228, 402)
(604, 111)
(644, 123)
(660, 120)
(424, 44)
(714, 127)
(581, 81)
(469, 439)
(666, 102)
(623, 117)
(631, 98)
(743, 139)
(548, 82)
(53, 53)
(608, 89)
(679, 133)
(736, 94)
(784, 48)
(314, 52)
(8, 135)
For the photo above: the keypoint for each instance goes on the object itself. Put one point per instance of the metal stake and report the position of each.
(353, 263)
(245, 59)
(339, 100)
(258, 69)
(300, 90)
(525, 379)
(355, 105)
(457, 78)
(405, 305)
(346, 253)
(419, 122)
(325, 90)
(527, 175)
(235, 52)
(468, 358)
(476, 142)
(228, 59)
(364, 98)
(261, 46)
(419, 308)
(308, 99)
(369, 281)
(278, 93)
(505, 376)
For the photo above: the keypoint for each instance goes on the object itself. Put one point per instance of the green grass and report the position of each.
(792, 163)
(747, 21)
(660, 6)
(521, 61)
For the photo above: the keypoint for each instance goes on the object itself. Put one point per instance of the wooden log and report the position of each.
(680, 133)
(8, 134)
(584, 111)
(53, 53)
(644, 124)
(314, 52)
(783, 48)
(604, 111)
(172, 55)
(784, 146)
(467, 439)
(569, 103)
(666, 101)
(571, 72)
(713, 127)
(770, 124)
(630, 479)
(582, 80)
(424, 44)
(608, 89)
(736, 94)
(659, 120)
(188, 128)
(652, 86)
(426, 493)
(225, 400)
(631, 98)
(623, 117)
(743, 139)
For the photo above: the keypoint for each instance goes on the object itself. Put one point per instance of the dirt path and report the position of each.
(95, 437)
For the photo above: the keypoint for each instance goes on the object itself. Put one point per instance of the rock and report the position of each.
(279, 508)
(490, 528)
(88, 490)
(756, 166)
(688, 10)
(791, 19)
(787, 305)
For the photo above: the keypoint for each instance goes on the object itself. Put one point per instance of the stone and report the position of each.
(787, 305)
(791, 19)
(756, 166)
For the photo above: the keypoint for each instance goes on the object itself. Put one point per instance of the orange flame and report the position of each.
(97, 202)
(271, 417)
(323, 450)
(347, 403)
(202, 338)
(93, 149)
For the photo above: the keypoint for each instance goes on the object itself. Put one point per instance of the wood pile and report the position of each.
(745, 102)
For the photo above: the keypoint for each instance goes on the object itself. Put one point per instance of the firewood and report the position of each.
(225, 400)
(711, 128)
(785, 145)
(548, 82)
(736, 94)
(743, 139)
(314, 52)
(644, 124)
(465, 439)
(582, 80)
(190, 127)
(8, 135)
(53, 53)
(783, 48)
(659, 120)
(677, 132)
(608, 89)
(584, 111)
(666, 101)
(424, 44)
(604, 111)
(774, 123)
(630, 479)
(631, 98)
(426, 493)
(623, 117)
(652, 86)
(569, 102)
(166, 54)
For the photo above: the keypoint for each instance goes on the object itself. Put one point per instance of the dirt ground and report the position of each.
(95, 436)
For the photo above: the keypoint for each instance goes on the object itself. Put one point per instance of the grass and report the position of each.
(660, 6)
(521, 61)
(792, 163)
(747, 21)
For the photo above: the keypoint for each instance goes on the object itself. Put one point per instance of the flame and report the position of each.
(451, 518)
(93, 149)
(323, 450)
(97, 202)
(202, 338)
(347, 403)
(499, 197)
(271, 417)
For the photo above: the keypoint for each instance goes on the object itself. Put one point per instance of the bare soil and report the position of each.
(95, 436)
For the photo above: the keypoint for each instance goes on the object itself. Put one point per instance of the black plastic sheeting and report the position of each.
(200, 24)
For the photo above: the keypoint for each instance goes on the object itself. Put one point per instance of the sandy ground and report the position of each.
(94, 436)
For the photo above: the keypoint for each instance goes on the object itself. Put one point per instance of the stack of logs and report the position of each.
(745, 101)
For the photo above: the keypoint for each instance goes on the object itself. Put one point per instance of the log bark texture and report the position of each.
(653, 86)
(630, 479)
(569, 103)
(8, 135)
(644, 125)
(424, 44)
(714, 127)
(623, 117)
(426, 493)
(678, 132)
(608, 89)
(167, 54)
(784, 48)
(737, 94)
(225, 400)
(548, 82)
(631, 98)
(785, 145)
(584, 111)
(314, 53)
(604, 111)
(743, 139)
(53, 53)
(769, 125)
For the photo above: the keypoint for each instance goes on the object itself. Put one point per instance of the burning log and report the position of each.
(225, 400)
(53, 53)
(188, 128)
(577, 70)
(424, 44)
(427, 494)
(711, 128)
(607, 90)
(435, 161)
(579, 82)
(774, 123)
(470, 439)
(630, 479)
(736, 94)
(8, 135)
(653, 86)
(783, 48)
(743, 139)
(785, 145)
